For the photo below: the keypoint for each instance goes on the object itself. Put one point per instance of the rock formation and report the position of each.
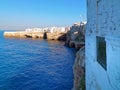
(75, 36)
(79, 70)
(51, 33)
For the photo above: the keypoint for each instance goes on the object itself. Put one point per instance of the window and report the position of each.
(101, 52)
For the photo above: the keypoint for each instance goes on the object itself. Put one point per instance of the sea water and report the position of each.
(34, 64)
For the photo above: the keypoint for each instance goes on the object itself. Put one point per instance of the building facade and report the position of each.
(103, 45)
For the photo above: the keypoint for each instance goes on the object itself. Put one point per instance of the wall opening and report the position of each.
(101, 52)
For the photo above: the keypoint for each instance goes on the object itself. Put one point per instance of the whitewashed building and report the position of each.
(47, 29)
(103, 45)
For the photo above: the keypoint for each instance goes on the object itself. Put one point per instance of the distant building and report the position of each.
(103, 45)
(28, 29)
(47, 29)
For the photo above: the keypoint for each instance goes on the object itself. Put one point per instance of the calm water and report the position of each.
(27, 64)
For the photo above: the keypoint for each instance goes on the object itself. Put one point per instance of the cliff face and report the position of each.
(79, 70)
(53, 33)
(75, 37)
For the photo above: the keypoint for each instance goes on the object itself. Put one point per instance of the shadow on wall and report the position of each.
(45, 35)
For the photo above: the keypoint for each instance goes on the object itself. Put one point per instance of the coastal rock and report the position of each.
(51, 33)
(75, 36)
(79, 70)
(20, 34)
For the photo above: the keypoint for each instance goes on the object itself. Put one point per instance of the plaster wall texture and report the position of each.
(103, 20)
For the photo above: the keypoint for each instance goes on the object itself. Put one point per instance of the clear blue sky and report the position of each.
(21, 14)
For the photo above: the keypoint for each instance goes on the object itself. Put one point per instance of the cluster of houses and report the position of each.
(47, 29)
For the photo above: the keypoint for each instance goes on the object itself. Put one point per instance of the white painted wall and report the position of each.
(103, 20)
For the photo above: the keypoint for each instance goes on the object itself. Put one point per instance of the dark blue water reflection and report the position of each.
(27, 64)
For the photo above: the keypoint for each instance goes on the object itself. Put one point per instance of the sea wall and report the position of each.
(53, 33)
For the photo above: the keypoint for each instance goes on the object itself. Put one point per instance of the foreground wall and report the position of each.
(103, 21)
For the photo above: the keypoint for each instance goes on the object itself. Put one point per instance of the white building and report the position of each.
(47, 29)
(28, 29)
(103, 45)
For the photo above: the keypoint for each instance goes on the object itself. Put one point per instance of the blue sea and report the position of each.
(33, 64)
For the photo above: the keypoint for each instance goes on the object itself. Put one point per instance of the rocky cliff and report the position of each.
(75, 38)
(53, 33)
(79, 70)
